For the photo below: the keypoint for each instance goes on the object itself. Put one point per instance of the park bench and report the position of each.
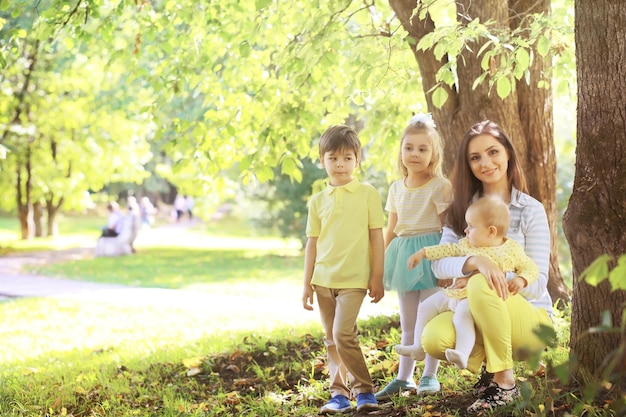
(122, 243)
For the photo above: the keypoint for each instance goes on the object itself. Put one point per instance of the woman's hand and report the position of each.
(492, 273)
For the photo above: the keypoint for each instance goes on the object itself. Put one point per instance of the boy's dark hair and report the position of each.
(340, 137)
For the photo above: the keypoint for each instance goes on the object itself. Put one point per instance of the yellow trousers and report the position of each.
(503, 328)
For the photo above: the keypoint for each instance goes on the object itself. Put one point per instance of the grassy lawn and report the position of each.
(249, 350)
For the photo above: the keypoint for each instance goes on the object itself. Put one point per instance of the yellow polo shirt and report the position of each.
(341, 218)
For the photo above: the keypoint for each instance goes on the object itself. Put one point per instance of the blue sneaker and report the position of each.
(338, 404)
(366, 401)
(395, 387)
(428, 385)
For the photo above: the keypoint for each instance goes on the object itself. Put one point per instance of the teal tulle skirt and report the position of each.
(397, 275)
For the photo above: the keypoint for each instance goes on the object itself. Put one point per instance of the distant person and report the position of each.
(180, 206)
(488, 221)
(115, 220)
(147, 210)
(190, 204)
(134, 212)
(343, 260)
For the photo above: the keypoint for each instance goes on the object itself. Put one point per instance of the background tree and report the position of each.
(66, 120)
(594, 221)
(249, 83)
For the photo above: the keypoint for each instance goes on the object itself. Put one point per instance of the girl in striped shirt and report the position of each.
(415, 204)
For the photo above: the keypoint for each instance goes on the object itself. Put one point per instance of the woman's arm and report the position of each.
(537, 247)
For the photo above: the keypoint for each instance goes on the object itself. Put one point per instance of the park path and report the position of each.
(16, 283)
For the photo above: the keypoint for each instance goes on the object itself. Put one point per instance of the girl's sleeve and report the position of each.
(537, 247)
(443, 196)
(449, 267)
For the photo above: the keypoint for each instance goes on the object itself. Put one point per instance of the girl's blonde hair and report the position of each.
(424, 123)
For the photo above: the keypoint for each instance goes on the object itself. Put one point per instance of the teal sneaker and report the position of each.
(338, 404)
(366, 401)
(428, 385)
(395, 387)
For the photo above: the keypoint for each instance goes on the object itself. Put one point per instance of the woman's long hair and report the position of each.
(465, 185)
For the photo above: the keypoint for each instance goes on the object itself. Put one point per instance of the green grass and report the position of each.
(250, 350)
(181, 268)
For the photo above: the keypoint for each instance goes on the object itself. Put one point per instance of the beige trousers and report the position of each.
(339, 309)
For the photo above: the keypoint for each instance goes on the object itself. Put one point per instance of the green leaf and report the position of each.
(245, 49)
(440, 95)
(447, 77)
(503, 87)
(479, 80)
(246, 162)
(264, 173)
(69, 43)
(597, 272)
(261, 4)
(440, 51)
(522, 60)
(543, 45)
(617, 276)
(365, 74)
(288, 166)
(357, 98)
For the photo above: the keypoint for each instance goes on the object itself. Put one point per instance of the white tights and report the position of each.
(409, 304)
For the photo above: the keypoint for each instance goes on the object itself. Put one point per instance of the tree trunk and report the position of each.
(536, 116)
(52, 210)
(37, 219)
(595, 220)
(24, 207)
(526, 115)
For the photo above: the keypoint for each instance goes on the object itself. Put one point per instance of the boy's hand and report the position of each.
(376, 290)
(307, 298)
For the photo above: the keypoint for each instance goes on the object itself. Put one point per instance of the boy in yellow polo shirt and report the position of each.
(343, 261)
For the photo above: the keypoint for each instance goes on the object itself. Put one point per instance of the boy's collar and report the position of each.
(351, 186)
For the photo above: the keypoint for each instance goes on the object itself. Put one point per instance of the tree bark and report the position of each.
(526, 115)
(37, 219)
(52, 210)
(23, 195)
(595, 220)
